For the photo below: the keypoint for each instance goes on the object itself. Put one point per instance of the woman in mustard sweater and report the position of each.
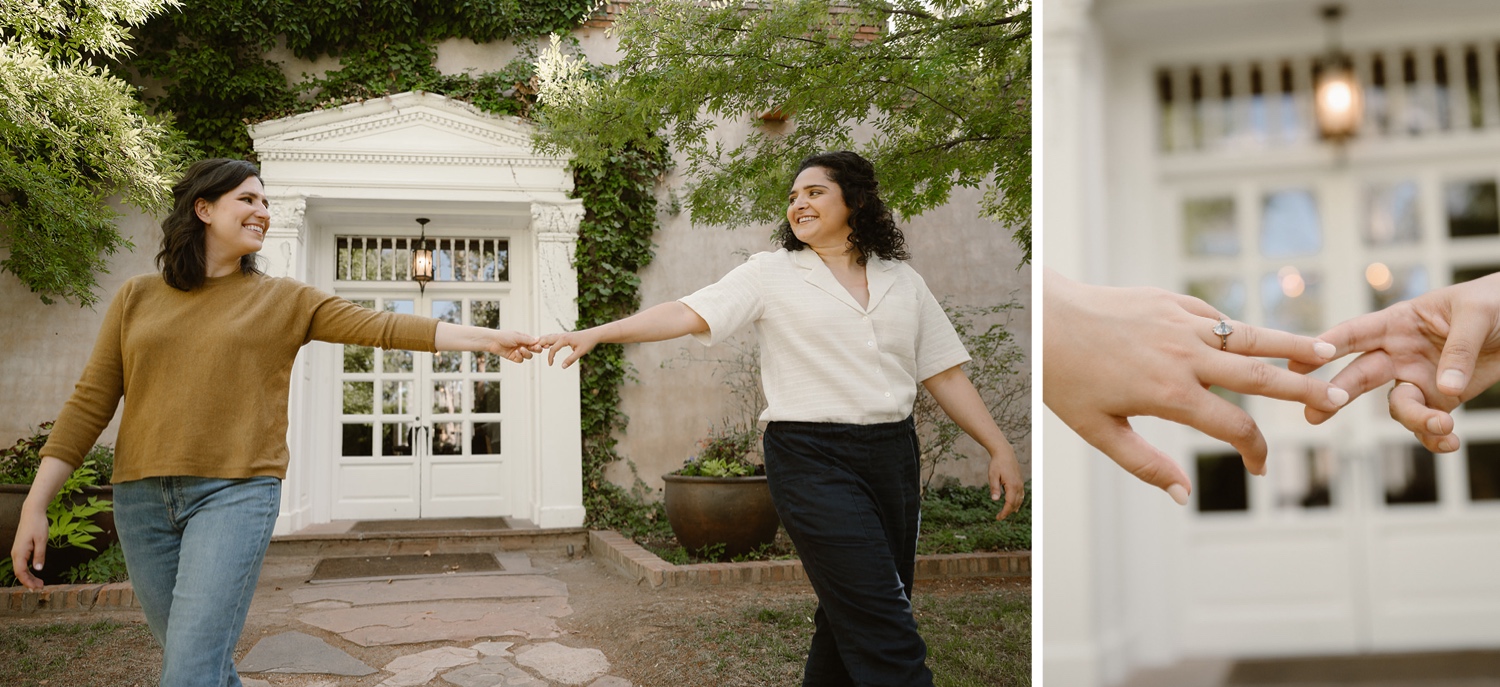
(203, 352)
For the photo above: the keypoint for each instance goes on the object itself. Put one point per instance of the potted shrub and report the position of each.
(718, 503)
(81, 523)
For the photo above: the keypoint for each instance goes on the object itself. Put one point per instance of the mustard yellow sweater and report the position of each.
(205, 373)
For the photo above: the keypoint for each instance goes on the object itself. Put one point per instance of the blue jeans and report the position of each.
(850, 498)
(194, 547)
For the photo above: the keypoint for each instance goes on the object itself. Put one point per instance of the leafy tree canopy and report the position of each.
(937, 93)
(73, 135)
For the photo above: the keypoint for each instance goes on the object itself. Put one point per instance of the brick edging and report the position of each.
(641, 565)
(68, 597)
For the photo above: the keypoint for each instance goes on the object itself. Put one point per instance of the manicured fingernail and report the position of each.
(1338, 397)
(1178, 493)
(1324, 349)
(1434, 426)
(994, 496)
(36, 566)
(1448, 445)
(1452, 379)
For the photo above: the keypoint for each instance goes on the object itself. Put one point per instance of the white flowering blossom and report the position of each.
(74, 135)
(89, 26)
(562, 79)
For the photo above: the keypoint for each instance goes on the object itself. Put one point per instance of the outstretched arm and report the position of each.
(513, 346)
(1443, 347)
(956, 395)
(656, 323)
(1112, 353)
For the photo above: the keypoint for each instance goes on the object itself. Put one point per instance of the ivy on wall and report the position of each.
(210, 57)
(209, 62)
(614, 244)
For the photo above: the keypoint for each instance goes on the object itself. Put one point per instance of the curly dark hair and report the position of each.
(874, 230)
(182, 257)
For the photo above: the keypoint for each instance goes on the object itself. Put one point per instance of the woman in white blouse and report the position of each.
(847, 330)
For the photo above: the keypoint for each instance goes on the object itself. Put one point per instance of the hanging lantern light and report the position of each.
(1338, 103)
(421, 259)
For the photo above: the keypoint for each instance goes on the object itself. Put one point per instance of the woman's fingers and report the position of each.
(555, 344)
(1433, 427)
(1466, 336)
(1368, 371)
(1367, 332)
(1222, 420)
(1261, 342)
(1005, 478)
(28, 554)
(1251, 376)
(1116, 439)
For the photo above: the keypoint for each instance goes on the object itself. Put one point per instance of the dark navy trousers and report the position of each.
(850, 497)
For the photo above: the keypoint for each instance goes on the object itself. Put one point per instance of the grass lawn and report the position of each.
(104, 653)
(975, 639)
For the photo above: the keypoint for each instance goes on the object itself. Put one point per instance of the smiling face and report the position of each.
(816, 210)
(235, 224)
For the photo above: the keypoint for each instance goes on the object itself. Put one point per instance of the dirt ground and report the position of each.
(643, 632)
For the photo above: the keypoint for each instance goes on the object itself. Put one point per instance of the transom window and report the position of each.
(387, 258)
(1409, 91)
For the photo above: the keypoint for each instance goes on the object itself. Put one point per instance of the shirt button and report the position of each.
(869, 343)
(887, 394)
(865, 318)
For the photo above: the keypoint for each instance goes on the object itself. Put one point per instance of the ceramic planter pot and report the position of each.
(59, 561)
(734, 511)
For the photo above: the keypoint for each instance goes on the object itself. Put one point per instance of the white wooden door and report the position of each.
(431, 434)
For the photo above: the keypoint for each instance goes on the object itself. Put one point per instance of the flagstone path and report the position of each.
(475, 630)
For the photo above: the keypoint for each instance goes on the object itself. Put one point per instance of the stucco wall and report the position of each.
(43, 348)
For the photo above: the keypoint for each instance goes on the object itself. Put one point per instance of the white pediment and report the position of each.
(413, 127)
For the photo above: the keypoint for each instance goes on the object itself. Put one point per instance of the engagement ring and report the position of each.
(1223, 330)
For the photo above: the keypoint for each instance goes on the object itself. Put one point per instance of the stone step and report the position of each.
(429, 535)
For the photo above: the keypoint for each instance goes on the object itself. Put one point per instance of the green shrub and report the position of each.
(959, 519)
(724, 453)
(69, 523)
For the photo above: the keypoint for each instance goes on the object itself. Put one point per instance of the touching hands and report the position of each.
(513, 346)
(579, 342)
(1114, 353)
(1440, 347)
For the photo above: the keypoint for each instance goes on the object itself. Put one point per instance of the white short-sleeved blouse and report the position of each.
(823, 357)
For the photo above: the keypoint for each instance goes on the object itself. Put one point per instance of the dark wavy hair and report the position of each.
(182, 259)
(874, 230)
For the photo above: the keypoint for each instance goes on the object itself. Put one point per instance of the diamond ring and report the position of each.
(1223, 330)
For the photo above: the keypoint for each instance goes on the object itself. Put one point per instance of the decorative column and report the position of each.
(282, 255)
(558, 495)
